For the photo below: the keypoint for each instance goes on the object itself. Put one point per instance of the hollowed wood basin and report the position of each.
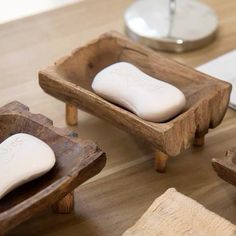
(70, 78)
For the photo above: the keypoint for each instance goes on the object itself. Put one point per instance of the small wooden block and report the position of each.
(174, 214)
(71, 114)
(226, 167)
(160, 160)
(65, 205)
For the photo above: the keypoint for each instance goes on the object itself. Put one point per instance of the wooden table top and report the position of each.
(116, 198)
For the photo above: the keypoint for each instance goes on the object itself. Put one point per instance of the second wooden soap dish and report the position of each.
(70, 78)
(76, 162)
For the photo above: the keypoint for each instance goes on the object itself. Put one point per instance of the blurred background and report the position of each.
(15, 9)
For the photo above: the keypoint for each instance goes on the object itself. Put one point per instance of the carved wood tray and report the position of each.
(70, 78)
(76, 162)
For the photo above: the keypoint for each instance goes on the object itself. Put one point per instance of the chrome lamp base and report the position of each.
(171, 25)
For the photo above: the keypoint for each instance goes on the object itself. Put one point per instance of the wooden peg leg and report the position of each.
(71, 114)
(160, 161)
(65, 205)
(199, 141)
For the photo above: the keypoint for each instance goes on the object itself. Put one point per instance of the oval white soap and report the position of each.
(23, 158)
(149, 98)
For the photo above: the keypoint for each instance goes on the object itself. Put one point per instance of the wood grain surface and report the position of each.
(113, 201)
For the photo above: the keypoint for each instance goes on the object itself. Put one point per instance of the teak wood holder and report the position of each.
(70, 78)
(226, 167)
(76, 162)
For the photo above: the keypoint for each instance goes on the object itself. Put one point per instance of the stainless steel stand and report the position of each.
(171, 25)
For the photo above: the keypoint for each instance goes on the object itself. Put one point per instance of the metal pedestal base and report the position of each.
(177, 26)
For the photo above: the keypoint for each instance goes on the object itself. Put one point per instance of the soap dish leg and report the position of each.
(160, 161)
(71, 114)
(199, 141)
(65, 205)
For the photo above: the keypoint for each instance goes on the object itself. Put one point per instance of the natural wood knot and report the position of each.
(90, 65)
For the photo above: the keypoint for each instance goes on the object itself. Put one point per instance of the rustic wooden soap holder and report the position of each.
(226, 167)
(76, 162)
(70, 78)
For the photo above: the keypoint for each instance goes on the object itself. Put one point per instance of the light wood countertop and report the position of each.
(112, 202)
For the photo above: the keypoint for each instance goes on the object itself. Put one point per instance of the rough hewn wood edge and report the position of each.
(59, 189)
(177, 140)
(109, 35)
(226, 167)
(16, 108)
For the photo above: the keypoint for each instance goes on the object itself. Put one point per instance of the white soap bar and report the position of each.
(149, 98)
(23, 157)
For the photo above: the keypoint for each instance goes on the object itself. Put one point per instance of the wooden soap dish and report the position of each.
(76, 162)
(70, 78)
(226, 166)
